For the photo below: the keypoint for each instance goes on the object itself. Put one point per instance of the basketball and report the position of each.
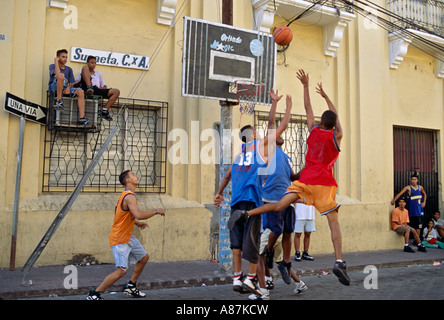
(283, 35)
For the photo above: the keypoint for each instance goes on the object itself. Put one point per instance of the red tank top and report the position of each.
(322, 153)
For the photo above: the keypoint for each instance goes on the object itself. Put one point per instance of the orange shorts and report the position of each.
(319, 196)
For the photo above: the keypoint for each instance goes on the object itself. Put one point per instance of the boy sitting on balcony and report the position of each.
(61, 80)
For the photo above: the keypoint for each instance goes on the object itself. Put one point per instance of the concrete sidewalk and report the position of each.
(49, 280)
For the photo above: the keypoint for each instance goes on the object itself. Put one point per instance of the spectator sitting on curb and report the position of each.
(400, 220)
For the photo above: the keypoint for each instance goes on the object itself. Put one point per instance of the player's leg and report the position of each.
(142, 257)
(138, 268)
(121, 253)
(111, 279)
(339, 269)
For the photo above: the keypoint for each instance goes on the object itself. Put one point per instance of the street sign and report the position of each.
(29, 110)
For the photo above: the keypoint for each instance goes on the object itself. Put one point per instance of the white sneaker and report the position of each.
(265, 295)
(300, 287)
(251, 285)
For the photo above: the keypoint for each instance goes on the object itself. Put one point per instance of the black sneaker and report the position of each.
(408, 249)
(236, 217)
(83, 122)
(340, 271)
(105, 115)
(297, 256)
(58, 105)
(421, 248)
(94, 295)
(89, 91)
(131, 290)
(269, 256)
(284, 268)
(269, 284)
(306, 256)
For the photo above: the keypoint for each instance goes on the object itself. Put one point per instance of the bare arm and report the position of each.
(404, 190)
(131, 203)
(331, 107)
(271, 138)
(219, 198)
(303, 77)
(275, 97)
(424, 197)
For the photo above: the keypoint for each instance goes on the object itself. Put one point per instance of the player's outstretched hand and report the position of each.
(274, 95)
(320, 90)
(303, 77)
(160, 211)
(289, 102)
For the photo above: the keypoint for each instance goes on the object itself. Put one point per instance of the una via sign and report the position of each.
(112, 59)
(29, 110)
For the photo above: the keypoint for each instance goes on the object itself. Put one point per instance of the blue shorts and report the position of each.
(281, 222)
(124, 253)
(53, 87)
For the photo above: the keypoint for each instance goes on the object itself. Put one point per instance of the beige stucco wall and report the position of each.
(370, 98)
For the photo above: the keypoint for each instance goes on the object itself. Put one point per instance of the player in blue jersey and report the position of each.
(282, 222)
(416, 201)
(247, 174)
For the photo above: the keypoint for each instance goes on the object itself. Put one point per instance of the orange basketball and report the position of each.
(283, 35)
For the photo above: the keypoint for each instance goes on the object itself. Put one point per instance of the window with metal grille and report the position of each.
(295, 137)
(139, 146)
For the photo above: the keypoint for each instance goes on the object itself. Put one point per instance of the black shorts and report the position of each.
(416, 222)
(246, 236)
(97, 91)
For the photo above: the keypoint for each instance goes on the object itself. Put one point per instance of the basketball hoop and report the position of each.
(247, 93)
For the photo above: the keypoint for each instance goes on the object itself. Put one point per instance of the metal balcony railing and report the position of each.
(424, 14)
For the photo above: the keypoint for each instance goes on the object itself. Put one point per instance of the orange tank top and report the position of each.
(122, 228)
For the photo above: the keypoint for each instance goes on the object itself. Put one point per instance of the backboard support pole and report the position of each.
(226, 116)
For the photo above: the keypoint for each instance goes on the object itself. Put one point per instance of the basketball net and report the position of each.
(247, 95)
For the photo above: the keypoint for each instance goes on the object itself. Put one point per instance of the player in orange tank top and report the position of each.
(122, 242)
(316, 185)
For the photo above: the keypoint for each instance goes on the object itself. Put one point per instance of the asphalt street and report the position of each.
(420, 282)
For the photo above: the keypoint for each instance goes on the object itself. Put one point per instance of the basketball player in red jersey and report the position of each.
(316, 185)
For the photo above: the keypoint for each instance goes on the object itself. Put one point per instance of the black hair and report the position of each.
(243, 136)
(403, 199)
(123, 176)
(90, 58)
(59, 52)
(329, 119)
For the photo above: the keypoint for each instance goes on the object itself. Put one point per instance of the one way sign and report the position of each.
(29, 110)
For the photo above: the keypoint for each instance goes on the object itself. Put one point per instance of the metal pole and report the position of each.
(225, 252)
(17, 194)
(62, 213)
(226, 114)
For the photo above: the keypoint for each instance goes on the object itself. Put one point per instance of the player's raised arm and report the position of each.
(303, 77)
(270, 139)
(331, 107)
(275, 97)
